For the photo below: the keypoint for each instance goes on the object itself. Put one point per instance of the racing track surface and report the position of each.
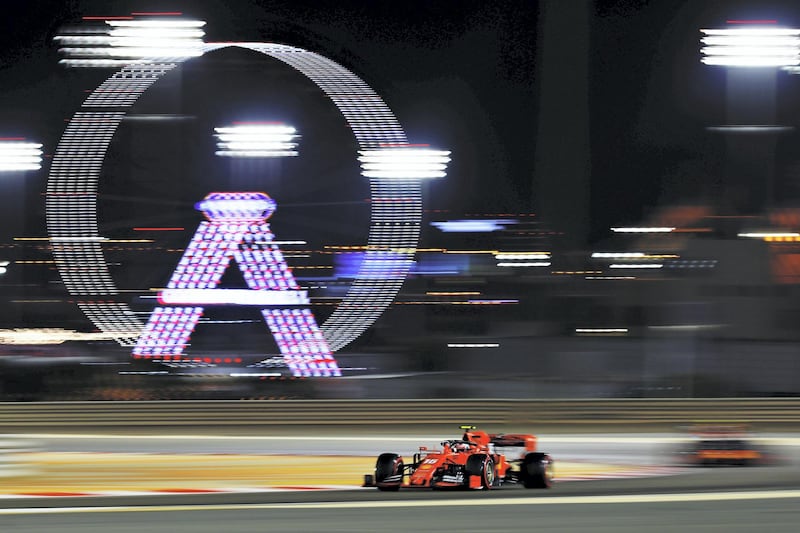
(730, 499)
(764, 499)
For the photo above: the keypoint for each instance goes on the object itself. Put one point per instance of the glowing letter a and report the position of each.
(236, 227)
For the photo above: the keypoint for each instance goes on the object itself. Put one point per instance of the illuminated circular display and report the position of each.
(395, 192)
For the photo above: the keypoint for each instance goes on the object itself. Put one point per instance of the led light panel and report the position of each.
(754, 46)
(404, 163)
(256, 140)
(122, 42)
(17, 155)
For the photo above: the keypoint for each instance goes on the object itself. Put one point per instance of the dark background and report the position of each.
(464, 75)
(588, 114)
(461, 75)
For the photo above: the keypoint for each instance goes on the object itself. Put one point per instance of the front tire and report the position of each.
(389, 472)
(536, 471)
(481, 465)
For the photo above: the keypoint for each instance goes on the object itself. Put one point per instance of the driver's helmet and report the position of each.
(462, 446)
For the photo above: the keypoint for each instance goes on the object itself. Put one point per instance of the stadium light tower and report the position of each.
(256, 140)
(17, 157)
(752, 52)
(752, 46)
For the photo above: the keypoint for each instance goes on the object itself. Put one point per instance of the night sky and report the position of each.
(462, 75)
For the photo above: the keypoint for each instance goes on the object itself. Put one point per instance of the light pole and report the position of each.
(17, 157)
(752, 52)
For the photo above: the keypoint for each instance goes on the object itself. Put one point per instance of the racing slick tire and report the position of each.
(389, 472)
(536, 471)
(481, 465)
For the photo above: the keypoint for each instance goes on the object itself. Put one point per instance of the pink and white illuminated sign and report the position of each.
(236, 229)
(393, 167)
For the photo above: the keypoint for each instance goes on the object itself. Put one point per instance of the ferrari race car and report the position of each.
(478, 460)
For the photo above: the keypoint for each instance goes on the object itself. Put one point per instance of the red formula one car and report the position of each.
(478, 460)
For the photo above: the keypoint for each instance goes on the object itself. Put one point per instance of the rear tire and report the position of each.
(481, 465)
(388, 465)
(536, 471)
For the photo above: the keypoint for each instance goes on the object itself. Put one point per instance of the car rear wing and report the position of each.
(514, 440)
(506, 440)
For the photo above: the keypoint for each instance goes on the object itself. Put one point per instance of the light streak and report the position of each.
(525, 264)
(643, 229)
(506, 256)
(231, 297)
(637, 265)
(122, 41)
(256, 140)
(474, 345)
(39, 336)
(472, 226)
(756, 46)
(17, 156)
(404, 163)
(601, 331)
(769, 234)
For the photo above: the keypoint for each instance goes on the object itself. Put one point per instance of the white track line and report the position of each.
(471, 502)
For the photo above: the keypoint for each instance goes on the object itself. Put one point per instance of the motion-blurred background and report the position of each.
(619, 219)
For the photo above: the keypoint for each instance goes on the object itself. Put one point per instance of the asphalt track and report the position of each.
(758, 499)
(730, 499)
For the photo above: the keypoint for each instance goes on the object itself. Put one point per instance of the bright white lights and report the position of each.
(752, 128)
(78, 239)
(601, 331)
(232, 297)
(19, 156)
(40, 336)
(166, 23)
(256, 140)
(472, 226)
(525, 264)
(643, 230)
(522, 259)
(636, 265)
(473, 345)
(768, 234)
(237, 206)
(611, 278)
(132, 41)
(617, 255)
(755, 46)
(404, 163)
(255, 374)
(510, 256)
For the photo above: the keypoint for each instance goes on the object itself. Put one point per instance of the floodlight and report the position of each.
(256, 140)
(121, 42)
(17, 155)
(754, 46)
(404, 163)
